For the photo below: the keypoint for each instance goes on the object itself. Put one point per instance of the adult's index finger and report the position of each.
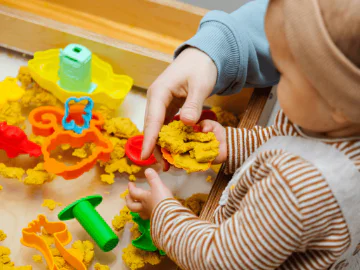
(154, 119)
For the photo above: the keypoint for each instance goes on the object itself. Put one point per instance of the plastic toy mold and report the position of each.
(62, 237)
(15, 142)
(111, 88)
(75, 69)
(10, 90)
(71, 125)
(133, 151)
(84, 211)
(144, 241)
(45, 122)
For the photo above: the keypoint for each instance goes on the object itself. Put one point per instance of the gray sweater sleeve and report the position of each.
(238, 46)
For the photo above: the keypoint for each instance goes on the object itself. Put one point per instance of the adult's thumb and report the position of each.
(191, 111)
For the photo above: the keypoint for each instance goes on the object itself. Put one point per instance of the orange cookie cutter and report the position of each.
(46, 121)
(62, 237)
(167, 156)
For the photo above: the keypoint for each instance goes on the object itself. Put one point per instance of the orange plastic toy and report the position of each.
(62, 237)
(46, 121)
(167, 156)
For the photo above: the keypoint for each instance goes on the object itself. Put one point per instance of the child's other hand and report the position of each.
(144, 201)
(220, 133)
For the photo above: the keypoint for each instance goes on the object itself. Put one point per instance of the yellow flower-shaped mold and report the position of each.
(111, 88)
(10, 91)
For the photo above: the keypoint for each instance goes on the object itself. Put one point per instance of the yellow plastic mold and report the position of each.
(10, 90)
(111, 88)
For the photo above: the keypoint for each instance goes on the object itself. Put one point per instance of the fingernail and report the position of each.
(149, 171)
(142, 156)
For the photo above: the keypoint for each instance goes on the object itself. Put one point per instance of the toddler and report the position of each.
(293, 200)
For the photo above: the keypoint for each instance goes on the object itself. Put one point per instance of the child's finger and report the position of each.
(131, 185)
(153, 178)
(208, 126)
(132, 205)
(136, 194)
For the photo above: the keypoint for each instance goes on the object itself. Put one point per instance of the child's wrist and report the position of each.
(159, 204)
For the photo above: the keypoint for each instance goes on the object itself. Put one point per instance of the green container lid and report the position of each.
(75, 69)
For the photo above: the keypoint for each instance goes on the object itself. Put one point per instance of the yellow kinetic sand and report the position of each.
(107, 88)
(185, 148)
(10, 91)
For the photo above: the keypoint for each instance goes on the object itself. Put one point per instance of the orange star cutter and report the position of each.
(62, 237)
(46, 121)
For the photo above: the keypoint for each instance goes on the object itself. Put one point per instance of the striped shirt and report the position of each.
(280, 215)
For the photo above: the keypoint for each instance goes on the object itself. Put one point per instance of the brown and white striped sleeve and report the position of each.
(241, 143)
(261, 234)
(280, 215)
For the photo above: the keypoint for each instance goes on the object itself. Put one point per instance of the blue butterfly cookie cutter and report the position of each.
(87, 116)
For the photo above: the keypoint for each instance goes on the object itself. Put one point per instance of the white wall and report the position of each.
(226, 5)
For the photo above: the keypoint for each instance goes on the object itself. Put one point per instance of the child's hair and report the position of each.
(342, 20)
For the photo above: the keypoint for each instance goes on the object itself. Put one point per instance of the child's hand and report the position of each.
(188, 81)
(220, 133)
(144, 201)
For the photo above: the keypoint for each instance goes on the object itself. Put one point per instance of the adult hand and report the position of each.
(185, 84)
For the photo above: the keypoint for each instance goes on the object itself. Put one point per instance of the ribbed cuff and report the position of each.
(218, 38)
